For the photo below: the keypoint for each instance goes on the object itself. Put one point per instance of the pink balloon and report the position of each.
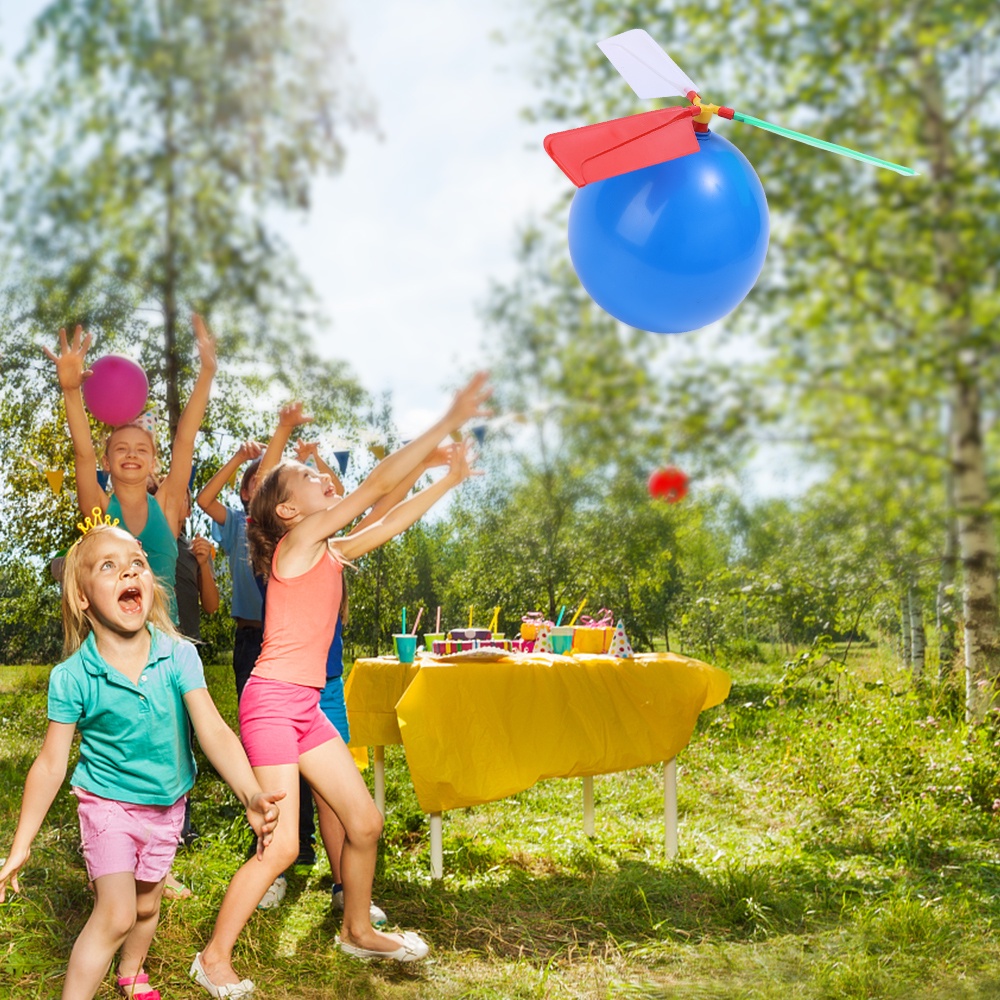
(117, 391)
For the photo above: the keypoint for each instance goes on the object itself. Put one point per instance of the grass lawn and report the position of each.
(836, 842)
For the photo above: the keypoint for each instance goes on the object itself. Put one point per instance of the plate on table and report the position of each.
(475, 656)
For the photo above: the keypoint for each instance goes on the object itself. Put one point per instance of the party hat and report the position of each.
(620, 646)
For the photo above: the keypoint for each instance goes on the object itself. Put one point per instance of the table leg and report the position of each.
(670, 806)
(588, 805)
(379, 754)
(437, 851)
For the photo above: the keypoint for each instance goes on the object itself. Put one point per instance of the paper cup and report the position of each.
(430, 638)
(561, 638)
(405, 646)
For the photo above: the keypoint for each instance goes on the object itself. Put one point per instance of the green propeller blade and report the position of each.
(830, 147)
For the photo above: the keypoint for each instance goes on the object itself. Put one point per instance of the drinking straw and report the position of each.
(495, 620)
(437, 621)
(578, 610)
(470, 615)
(404, 621)
(562, 611)
(417, 622)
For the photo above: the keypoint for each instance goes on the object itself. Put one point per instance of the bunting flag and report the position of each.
(342, 457)
(378, 450)
(232, 481)
(194, 469)
(456, 436)
(480, 434)
(104, 479)
(55, 478)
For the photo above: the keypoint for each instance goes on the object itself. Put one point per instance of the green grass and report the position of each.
(837, 843)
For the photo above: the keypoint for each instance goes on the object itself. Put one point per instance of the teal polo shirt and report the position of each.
(135, 744)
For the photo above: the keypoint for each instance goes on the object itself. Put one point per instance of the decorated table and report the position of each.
(479, 727)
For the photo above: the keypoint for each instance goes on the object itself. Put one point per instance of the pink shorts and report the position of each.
(126, 837)
(280, 721)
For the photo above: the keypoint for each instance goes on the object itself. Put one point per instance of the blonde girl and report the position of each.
(129, 684)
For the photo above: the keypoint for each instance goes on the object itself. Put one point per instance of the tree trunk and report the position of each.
(905, 633)
(945, 604)
(918, 639)
(977, 547)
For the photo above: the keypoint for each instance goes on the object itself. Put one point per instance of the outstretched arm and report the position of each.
(72, 372)
(392, 471)
(45, 778)
(172, 494)
(406, 513)
(225, 752)
(208, 497)
(440, 456)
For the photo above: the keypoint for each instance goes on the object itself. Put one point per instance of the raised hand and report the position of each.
(468, 402)
(205, 343)
(291, 415)
(70, 363)
(460, 463)
(303, 449)
(203, 550)
(249, 450)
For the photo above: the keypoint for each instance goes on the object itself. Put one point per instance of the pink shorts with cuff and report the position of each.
(280, 721)
(127, 837)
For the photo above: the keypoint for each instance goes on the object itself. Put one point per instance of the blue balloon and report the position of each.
(676, 246)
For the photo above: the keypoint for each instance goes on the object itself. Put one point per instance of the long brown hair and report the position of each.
(76, 624)
(264, 527)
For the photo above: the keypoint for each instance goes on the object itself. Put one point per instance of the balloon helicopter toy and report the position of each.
(662, 239)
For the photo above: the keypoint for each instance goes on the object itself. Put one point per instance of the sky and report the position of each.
(403, 244)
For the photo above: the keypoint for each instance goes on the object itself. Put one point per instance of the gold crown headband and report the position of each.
(97, 518)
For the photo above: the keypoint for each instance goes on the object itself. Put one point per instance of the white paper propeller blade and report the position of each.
(647, 69)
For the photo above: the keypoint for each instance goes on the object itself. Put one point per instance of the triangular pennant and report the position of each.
(342, 457)
(55, 478)
(103, 479)
(378, 450)
(194, 469)
(479, 433)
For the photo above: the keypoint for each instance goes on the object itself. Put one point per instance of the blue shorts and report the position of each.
(331, 701)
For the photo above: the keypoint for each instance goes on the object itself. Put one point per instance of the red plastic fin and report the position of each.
(595, 152)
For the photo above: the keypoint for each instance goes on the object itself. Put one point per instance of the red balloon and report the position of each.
(117, 391)
(668, 484)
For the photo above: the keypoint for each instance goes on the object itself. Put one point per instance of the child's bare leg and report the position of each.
(109, 924)
(250, 883)
(332, 773)
(332, 832)
(147, 916)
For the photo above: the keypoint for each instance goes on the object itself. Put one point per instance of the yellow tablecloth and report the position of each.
(475, 732)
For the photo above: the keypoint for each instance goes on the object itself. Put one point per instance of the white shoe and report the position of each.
(237, 991)
(412, 949)
(375, 913)
(274, 895)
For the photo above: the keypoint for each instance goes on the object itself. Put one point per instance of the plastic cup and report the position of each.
(430, 638)
(561, 638)
(405, 646)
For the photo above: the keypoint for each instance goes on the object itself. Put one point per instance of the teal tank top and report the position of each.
(159, 544)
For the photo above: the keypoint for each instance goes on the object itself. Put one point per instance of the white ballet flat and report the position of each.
(230, 991)
(412, 949)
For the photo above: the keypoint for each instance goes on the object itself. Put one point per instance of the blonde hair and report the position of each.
(76, 624)
(264, 527)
